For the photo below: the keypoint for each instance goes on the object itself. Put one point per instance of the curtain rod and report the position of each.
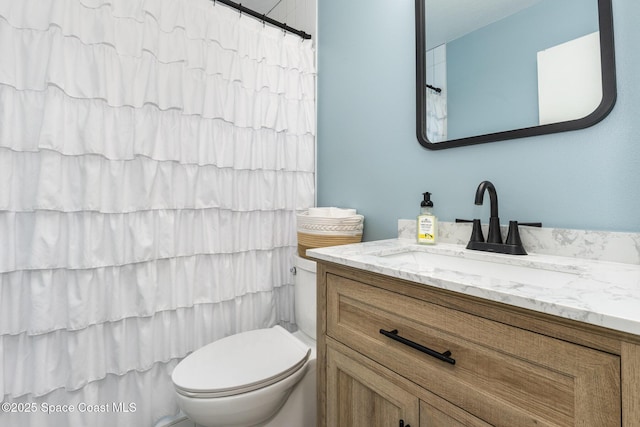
(263, 18)
(437, 89)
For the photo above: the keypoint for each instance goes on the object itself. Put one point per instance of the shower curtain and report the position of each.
(436, 116)
(153, 156)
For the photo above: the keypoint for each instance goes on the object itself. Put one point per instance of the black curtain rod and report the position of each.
(263, 18)
(437, 89)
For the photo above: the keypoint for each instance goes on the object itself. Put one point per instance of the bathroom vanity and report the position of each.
(442, 336)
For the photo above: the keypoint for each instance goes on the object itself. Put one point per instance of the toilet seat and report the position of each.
(240, 363)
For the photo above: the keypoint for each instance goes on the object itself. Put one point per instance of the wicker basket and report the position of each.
(312, 241)
(328, 227)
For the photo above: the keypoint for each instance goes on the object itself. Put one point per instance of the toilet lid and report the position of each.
(240, 363)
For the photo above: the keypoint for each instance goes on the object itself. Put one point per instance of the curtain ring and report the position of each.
(264, 24)
(240, 4)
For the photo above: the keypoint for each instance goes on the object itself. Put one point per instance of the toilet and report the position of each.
(264, 377)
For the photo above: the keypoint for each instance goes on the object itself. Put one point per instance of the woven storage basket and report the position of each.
(312, 241)
(337, 228)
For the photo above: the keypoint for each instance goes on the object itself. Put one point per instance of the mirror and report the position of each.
(502, 69)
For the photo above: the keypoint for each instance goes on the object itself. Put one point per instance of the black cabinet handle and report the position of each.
(403, 425)
(440, 356)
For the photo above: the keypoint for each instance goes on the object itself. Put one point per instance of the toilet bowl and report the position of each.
(263, 377)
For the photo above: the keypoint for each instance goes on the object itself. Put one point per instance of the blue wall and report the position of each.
(492, 72)
(369, 158)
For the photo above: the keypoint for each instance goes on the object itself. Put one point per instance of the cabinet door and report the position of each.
(360, 397)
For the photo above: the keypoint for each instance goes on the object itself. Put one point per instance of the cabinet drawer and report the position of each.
(502, 374)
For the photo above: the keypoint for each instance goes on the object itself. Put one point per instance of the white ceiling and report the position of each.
(449, 19)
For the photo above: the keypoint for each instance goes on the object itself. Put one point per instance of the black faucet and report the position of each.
(494, 221)
(513, 244)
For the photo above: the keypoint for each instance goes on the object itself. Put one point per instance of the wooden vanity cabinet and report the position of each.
(491, 364)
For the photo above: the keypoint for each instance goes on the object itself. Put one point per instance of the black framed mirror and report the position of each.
(512, 69)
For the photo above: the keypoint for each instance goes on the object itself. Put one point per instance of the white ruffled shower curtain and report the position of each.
(153, 156)
(436, 116)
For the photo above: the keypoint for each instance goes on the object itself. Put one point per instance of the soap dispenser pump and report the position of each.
(427, 222)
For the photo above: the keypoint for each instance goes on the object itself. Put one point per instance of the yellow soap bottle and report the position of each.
(427, 222)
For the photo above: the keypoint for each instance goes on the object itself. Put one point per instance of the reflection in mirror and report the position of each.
(499, 69)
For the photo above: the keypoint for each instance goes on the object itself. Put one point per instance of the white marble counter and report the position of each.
(601, 293)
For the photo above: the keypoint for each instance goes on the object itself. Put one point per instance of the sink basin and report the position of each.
(504, 267)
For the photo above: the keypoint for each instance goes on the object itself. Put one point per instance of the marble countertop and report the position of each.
(601, 293)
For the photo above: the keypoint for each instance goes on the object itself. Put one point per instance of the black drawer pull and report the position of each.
(441, 356)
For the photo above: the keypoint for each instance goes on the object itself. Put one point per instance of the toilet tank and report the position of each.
(305, 295)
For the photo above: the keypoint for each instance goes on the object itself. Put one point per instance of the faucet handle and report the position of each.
(476, 232)
(513, 236)
(531, 224)
(513, 241)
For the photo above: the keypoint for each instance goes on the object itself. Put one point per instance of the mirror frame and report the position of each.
(607, 55)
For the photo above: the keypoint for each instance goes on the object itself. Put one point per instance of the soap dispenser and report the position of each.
(427, 223)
